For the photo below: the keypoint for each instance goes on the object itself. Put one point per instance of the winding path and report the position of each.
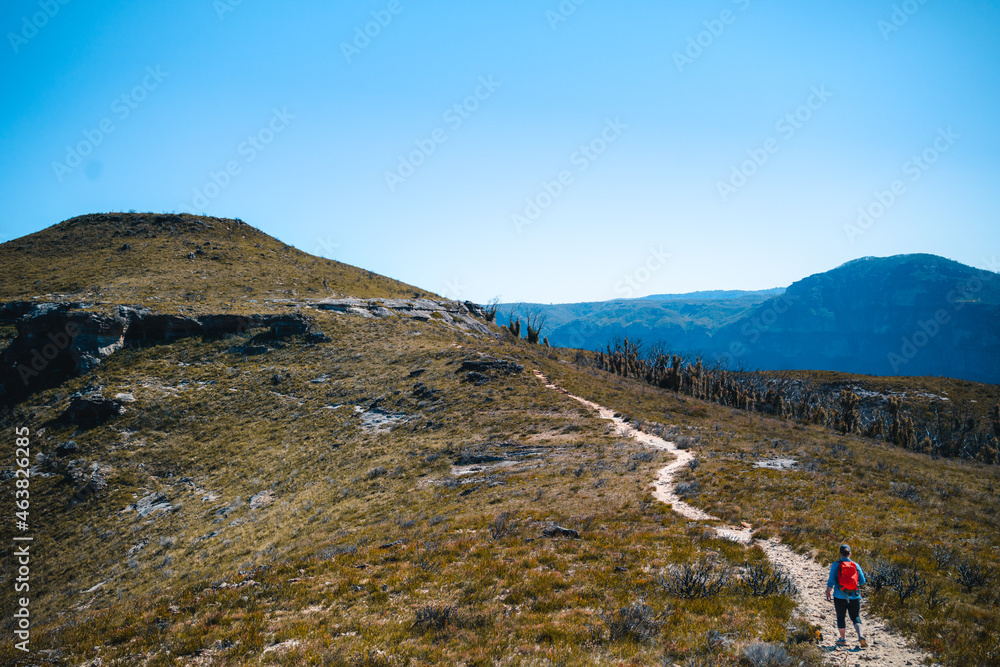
(885, 647)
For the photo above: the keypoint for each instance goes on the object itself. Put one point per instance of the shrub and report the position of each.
(760, 654)
(908, 585)
(759, 580)
(636, 622)
(971, 576)
(694, 580)
(501, 526)
(884, 574)
(934, 598)
(435, 617)
(687, 488)
(905, 491)
(943, 556)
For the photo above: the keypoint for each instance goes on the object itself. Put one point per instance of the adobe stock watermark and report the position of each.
(122, 107)
(914, 169)
(900, 16)
(714, 28)
(248, 150)
(363, 35)
(40, 358)
(562, 13)
(30, 25)
(454, 290)
(455, 116)
(223, 7)
(325, 247)
(787, 126)
(655, 260)
(582, 159)
(758, 325)
(927, 330)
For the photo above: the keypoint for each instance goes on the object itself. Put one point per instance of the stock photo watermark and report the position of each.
(913, 169)
(455, 116)
(927, 330)
(223, 7)
(900, 16)
(40, 358)
(363, 35)
(122, 107)
(787, 126)
(454, 290)
(21, 559)
(655, 260)
(325, 247)
(30, 25)
(562, 13)
(758, 325)
(714, 28)
(582, 159)
(248, 150)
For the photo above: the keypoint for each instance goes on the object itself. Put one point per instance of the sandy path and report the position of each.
(884, 646)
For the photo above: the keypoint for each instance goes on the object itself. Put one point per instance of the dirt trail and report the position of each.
(884, 646)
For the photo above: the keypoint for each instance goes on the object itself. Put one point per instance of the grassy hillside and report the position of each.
(918, 521)
(172, 262)
(367, 501)
(369, 547)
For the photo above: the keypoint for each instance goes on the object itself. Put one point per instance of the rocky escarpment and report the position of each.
(464, 315)
(56, 340)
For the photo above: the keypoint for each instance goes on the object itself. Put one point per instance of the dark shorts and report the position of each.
(843, 607)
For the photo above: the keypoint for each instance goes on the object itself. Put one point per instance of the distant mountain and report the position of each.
(686, 320)
(903, 315)
(716, 295)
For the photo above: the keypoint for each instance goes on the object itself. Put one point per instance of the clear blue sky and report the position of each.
(664, 123)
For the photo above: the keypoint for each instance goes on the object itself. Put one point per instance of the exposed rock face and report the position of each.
(154, 502)
(91, 409)
(57, 340)
(467, 316)
(489, 364)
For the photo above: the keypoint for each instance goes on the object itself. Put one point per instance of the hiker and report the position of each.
(846, 577)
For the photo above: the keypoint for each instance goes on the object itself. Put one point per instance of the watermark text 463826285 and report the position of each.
(22, 540)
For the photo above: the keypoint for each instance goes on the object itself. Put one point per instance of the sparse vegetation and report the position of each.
(280, 529)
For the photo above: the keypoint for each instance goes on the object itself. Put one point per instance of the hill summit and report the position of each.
(916, 314)
(188, 262)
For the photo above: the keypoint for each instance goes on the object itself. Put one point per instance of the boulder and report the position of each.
(490, 365)
(553, 530)
(91, 409)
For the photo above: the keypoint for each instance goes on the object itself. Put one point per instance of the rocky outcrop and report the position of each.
(482, 370)
(463, 315)
(57, 340)
(91, 409)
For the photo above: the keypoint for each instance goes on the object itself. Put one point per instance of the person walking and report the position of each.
(846, 578)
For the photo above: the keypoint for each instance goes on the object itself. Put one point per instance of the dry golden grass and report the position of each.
(176, 263)
(895, 507)
(208, 422)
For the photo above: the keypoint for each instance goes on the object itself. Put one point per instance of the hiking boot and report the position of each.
(841, 642)
(862, 642)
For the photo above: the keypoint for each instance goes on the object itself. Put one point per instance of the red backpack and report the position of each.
(847, 576)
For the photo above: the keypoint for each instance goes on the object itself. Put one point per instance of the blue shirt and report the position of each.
(831, 581)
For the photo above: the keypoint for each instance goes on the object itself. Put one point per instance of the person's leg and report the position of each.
(841, 607)
(854, 608)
